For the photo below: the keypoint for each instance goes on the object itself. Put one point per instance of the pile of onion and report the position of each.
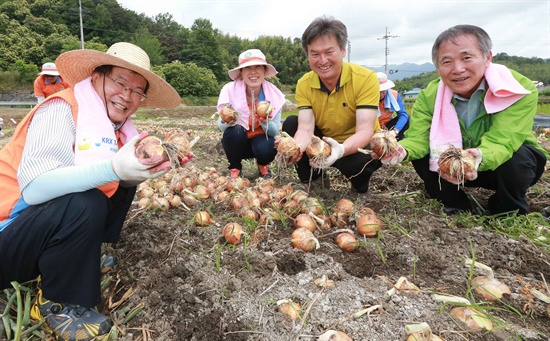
(318, 150)
(174, 148)
(383, 143)
(456, 163)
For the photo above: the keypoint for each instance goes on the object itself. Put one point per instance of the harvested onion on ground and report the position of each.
(202, 218)
(346, 241)
(472, 318)
(290, 308)
(420, 332)
(232, 232)
(368, 224)
(456, 163)
(487, 286)
(174, 148)
(383, 143)
(304, 239)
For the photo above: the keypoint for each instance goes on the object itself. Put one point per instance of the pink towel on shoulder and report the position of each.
(503, 91)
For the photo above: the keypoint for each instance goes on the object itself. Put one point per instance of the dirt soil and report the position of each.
(191, 285)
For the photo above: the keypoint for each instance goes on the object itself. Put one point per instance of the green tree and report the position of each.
(149, 44)
(190, 79)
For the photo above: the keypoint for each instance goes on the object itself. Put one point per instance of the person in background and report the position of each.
(249, 135)
(392, 114)
(1, 125)
(482, 107)
(48, 82)
(69, 175)
(337, 101)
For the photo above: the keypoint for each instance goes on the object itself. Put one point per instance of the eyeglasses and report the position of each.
(122, 87)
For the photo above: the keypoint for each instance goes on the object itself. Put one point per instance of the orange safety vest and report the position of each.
(10, 158)
(386, 116)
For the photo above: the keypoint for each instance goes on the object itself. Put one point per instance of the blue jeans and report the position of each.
(238, 146)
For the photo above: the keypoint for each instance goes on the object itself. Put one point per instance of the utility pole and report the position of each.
(81, 28)
(386, 50)
(349, 50)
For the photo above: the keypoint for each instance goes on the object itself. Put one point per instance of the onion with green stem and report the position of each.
(487, 286)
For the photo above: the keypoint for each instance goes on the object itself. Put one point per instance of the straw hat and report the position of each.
(78, 65)
(49, 69)
(249, 58)
(385, 83)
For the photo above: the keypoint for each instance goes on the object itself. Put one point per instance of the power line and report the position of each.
(386, 50)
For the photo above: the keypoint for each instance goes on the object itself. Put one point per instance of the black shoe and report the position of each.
(69, 322)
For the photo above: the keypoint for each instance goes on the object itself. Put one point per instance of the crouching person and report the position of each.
(69, 176)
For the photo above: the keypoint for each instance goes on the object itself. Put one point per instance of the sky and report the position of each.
(518, 27)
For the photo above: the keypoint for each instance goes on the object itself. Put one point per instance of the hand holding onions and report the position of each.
(385, 147)
(228, 115)
(459, 165)
(129, 166)
(337, 150)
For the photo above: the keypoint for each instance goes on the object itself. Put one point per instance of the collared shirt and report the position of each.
(335, 111)
(468, 108)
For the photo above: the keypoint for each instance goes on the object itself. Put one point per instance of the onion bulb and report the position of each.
(264, 108)
(420, 332)
(232, 233)
(318, 150)
(334, 335)
(202, 218)
(306, 221)
(472, 318)
(174, 148)
(346, 241)
(456, 163)
(290, 308)
(487, 286)
(287, 147)
(228, 114)
(368, 225)
(383, 143)
(303, 239)
(344, 205)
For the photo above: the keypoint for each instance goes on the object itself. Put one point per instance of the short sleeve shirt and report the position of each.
(358, 88)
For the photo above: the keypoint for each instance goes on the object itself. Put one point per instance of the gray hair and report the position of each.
(484, 41)
(325, 26)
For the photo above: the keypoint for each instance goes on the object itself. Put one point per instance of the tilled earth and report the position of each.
(191, 285)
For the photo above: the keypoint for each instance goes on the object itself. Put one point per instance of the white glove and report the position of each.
(337, 151)
(478, 155)
(393, 132)
(394, 158)
(128, 167)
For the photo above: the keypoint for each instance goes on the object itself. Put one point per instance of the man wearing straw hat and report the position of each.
(69, 175)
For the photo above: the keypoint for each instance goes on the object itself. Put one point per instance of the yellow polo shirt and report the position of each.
(334, 112)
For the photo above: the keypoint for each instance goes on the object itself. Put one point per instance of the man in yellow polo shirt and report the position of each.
(337, 101)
